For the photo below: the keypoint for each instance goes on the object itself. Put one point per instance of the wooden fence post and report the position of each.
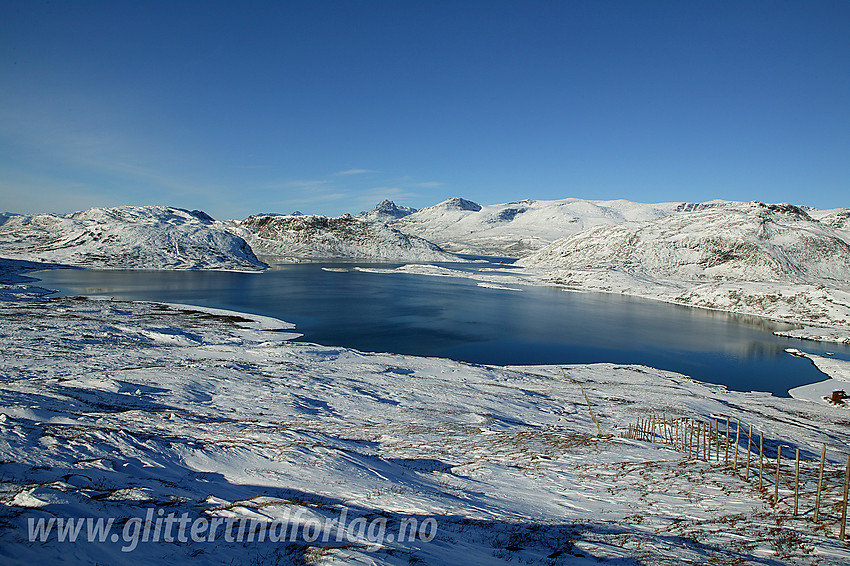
(749, 447)
(737, 441)
(651, 427)
(695, 439)
(691, 427)
(797, 482)
(726, 458)
(761, 457)
(844, 499)
(776, 485)
(668, 430)
(716, 422)
(717, 440)
(691, 438)
(820, 481)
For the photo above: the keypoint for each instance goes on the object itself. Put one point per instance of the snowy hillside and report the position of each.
(752, 242)
(386, 211)
(208, 438)
(126, 237)
(769, 260)
(333, 237)
(838, 218)
(517, 228)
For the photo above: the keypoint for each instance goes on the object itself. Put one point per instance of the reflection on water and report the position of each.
(438, 316)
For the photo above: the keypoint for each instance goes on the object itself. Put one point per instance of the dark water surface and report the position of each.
(451, 317)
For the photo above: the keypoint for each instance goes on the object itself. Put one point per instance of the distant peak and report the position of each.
(388, 206)
(457, 203)
(387, 210)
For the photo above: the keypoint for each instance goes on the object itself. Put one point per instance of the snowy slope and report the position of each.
(126, 237)
(116, 410)
(336, 237)
(751, 242)
(516, 228)
(838, 218)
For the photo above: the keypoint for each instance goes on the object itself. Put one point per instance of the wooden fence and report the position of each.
(803, 481)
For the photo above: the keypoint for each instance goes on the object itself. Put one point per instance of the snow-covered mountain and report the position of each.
(749, 242)
(386, 211)
(126, 237)
(314, 236)
(516, 228)
(763, 259)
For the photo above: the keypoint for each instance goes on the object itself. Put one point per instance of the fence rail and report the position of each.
(781, 479)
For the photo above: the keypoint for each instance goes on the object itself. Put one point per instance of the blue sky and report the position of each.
(329, 107)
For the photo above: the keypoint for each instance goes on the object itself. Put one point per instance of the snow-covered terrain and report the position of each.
(126, 237)
(749, 242)
(311, 236)
(769, 260)
(821, 392)
(149, 413)
(838, 218)
(517, 228)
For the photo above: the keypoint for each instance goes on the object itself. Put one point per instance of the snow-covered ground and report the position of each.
(516, 228)
(821, 392)
(148, 413)
(288, 238)
(126, 237)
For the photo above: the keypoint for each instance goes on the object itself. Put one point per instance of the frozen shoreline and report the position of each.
(514, 279)
(778, 302)
(838, 378)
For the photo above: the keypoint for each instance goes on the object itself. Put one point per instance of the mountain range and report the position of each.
(777, 260)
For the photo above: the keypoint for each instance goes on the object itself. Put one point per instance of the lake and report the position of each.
(454, 318)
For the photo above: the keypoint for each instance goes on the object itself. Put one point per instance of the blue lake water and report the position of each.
(452, 317)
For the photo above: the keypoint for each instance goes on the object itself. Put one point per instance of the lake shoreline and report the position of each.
(499, 350)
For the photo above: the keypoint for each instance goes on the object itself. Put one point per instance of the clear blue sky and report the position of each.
(331, 106)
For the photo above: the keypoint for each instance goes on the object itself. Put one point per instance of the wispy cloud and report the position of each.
(89, 152)
(356, 172)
